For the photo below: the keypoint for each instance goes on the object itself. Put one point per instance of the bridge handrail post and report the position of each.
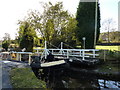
(29, 61)
(93, 53)
(52, 51)
(45, 50)
(20, 57)
(83, 54)
(61, 51)
(80, 52)
(67, 53)
(17, 56)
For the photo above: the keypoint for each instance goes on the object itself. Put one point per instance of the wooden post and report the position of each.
(104, 55)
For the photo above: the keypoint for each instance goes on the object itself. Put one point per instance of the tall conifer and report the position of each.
(86, 23)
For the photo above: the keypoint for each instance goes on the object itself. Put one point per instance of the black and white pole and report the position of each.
(95, 24)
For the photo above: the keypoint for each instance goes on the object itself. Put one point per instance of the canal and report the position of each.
(73, 78)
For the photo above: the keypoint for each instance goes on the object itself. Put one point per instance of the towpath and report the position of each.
(5, 67)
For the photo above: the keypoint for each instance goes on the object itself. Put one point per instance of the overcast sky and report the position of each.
(13, 10)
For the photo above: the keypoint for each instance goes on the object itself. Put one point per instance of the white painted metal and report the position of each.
(18, 55)
(61, 45)
(83, 55)
(72, 52)
(54, 63)
(45, 49)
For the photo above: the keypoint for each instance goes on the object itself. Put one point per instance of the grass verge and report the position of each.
(112, 48)
(25, 78)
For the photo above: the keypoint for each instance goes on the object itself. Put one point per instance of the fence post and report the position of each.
(104, 55)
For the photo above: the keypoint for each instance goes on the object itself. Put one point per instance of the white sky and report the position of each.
(13, 10)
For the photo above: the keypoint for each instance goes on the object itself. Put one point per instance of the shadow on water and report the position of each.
(64, 78)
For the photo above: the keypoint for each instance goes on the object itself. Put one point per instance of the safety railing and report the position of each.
(83, 53)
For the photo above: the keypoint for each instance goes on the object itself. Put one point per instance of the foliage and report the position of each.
(26, 36)
(55, 24)
(25, 78)
(5, 45)
(108, 26)
(114, 37)
(109, 55)
(86, 23)
(6, 41)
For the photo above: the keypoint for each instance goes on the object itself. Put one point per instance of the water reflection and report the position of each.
(57, 78)
(109, 84)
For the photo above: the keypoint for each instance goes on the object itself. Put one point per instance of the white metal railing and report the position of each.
(70, 52)
(83, 53)
(8, 55)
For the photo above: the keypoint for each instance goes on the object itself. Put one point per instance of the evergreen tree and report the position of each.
(86, 23)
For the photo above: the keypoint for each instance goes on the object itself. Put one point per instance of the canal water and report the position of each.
(68, 79)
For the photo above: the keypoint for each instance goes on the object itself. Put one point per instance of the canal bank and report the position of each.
(96, 73)
(6, 66)
(76, 77)
(109, 69)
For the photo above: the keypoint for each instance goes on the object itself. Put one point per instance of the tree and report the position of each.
(114, 37)
(26, 36)
(6, 41)
(108, 26)
(86, 23)
(55, 24)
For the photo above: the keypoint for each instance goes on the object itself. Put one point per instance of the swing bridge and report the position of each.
(88, 55)
(73, 55)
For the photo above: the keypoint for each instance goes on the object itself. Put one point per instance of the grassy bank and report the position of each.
(111, 61)
(112, 48)
(25, 78)
(109, 55)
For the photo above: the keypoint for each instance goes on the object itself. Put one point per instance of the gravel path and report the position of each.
(5, 67)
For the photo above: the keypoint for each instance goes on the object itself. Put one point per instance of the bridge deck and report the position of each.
(53, 63)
